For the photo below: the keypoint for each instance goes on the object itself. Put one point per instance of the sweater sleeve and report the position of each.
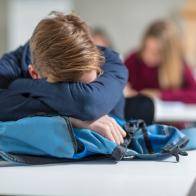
(187, 93)
(15, 106)
(80, 100)
(10, 66)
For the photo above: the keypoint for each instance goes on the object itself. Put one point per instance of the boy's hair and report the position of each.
(62, 48)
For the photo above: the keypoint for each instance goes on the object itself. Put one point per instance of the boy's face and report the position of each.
(87, 77)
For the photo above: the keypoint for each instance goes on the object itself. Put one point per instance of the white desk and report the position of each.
(127, 178)
(174, 111)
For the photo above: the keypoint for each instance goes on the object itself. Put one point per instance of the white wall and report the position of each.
(25, 14)
(125, 20)
(3, 30)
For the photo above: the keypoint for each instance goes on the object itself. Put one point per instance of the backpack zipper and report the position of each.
(71, 133)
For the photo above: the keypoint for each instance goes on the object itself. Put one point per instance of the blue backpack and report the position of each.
(51, 139)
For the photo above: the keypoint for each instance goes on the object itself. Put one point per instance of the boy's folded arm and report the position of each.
(100, 97)
(15, 106)
(10, 66)
(80, 100)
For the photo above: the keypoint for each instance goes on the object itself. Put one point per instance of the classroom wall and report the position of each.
(3, 29)
(18, 18)
(125, 20)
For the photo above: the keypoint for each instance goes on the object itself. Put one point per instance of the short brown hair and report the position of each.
(62, 48)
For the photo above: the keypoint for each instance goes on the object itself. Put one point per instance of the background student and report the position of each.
(158, 67)
(101, 38)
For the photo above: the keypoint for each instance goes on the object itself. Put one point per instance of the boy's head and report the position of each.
(62, 50)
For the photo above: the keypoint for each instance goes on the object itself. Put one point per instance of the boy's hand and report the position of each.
(106, 126)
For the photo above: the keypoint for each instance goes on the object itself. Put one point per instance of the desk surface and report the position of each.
(166, 111)
(136, 178)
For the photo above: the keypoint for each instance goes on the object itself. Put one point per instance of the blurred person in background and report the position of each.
(101, 38)
(158, 68)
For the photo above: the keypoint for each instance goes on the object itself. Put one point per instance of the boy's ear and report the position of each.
(33, 72)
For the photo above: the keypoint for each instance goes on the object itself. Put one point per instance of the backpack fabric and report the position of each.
(51, 139)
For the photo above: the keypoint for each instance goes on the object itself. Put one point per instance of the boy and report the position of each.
(65, 65)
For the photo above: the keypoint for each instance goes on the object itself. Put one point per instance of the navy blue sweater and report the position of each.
(21, 96)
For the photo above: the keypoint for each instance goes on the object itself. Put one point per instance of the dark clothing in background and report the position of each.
(140, 107)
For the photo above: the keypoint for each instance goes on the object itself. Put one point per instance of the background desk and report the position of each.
(126, 178)
(174, 111)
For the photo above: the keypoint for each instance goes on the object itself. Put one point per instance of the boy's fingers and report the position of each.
(119, 129)
(108, 134)
(110, 129)
(104, 129)
(122, 131)
(117, 133)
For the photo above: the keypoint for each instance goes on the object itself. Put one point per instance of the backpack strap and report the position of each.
(133, 126)
(177, 149)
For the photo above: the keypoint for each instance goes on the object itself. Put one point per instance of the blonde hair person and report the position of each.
(169, 53)
(158, 67)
